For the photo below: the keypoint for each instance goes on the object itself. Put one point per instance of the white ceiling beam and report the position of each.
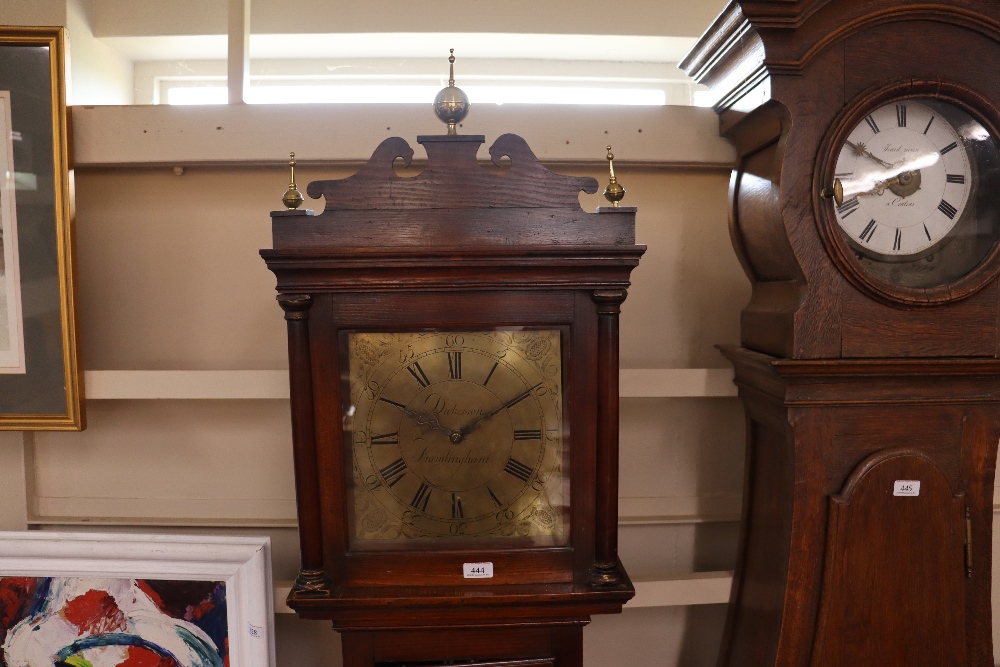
(238, 52)
(113, 18)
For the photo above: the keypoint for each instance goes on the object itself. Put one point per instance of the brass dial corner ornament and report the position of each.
(909, 197)
(614, 192)
(457, 435)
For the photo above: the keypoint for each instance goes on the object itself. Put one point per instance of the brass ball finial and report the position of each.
(451, 104)
(292, 198)
(614, 192)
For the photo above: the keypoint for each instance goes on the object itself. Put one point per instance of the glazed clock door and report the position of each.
(456, 436)
(908, 177)
(914, 183)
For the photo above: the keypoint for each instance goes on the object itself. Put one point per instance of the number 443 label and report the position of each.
(906, 487)
(477, 570)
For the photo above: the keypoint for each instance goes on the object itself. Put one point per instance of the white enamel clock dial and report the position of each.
(906, 177)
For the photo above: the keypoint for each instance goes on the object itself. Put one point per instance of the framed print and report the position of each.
(11, 321)
(122, 600)
(41, 382)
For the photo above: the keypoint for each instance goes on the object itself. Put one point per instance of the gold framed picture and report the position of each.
(41, 382)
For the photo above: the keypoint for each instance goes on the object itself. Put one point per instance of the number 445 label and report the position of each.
(477, 570)
(906, 487)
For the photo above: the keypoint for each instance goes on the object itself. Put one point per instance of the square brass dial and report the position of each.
(457, 435)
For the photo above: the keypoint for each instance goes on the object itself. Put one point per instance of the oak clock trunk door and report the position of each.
(895, 575)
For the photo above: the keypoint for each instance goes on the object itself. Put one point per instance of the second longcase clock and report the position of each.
(865, 211)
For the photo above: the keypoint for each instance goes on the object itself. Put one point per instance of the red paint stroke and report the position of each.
(16, 594)
(95, 612)
(180, 599)
(139, 656)
(151, 592)
(195, 612)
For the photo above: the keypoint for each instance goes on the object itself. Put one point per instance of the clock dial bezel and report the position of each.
(884, 275)
(528, 505)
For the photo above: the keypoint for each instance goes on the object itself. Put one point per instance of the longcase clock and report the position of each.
(453, 349)
(865, 210)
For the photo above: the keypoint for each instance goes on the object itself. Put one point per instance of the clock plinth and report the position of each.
(453, 356)
(864, 210)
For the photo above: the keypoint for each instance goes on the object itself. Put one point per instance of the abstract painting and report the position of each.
(83, 599)
(11, 324)
(83, 622)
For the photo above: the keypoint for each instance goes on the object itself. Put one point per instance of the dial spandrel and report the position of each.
(917, 177)
(457, 435)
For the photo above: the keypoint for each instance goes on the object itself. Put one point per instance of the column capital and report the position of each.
(296, 306)
(609, 301)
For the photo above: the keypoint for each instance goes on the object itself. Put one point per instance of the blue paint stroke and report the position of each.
(208, 656)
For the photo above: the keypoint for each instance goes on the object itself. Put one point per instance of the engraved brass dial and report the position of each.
(457, 435)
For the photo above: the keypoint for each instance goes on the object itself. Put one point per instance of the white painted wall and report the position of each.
(98, 74)
(33, 12)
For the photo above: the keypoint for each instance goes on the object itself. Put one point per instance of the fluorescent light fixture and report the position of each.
(492, 46)
(198, 95)
(403, 94)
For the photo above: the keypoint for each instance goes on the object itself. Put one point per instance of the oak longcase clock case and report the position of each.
(453, 347)
(865, 211)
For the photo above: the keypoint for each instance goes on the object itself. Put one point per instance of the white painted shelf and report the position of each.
(681, 590)
(148, 385)
(262, 134)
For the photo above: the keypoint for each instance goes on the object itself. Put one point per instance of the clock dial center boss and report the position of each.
(457, 434)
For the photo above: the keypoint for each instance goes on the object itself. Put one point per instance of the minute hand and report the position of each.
(509, 404)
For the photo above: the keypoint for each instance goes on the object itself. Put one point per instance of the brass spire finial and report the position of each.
(451, 104)
(614, 192)
(292, 198)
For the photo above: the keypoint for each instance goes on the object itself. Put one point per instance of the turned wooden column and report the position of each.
(606, 549)
(312, 577)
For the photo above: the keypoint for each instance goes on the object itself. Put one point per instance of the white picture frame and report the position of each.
(11, 315)
(243, 563)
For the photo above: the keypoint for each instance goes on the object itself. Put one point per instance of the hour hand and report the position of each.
(428, 421)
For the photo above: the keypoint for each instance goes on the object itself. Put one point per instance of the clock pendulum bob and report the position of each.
(865, 209)
(453, 354)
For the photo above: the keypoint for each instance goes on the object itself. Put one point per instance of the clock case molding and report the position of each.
(848, 384)
(457, 247)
